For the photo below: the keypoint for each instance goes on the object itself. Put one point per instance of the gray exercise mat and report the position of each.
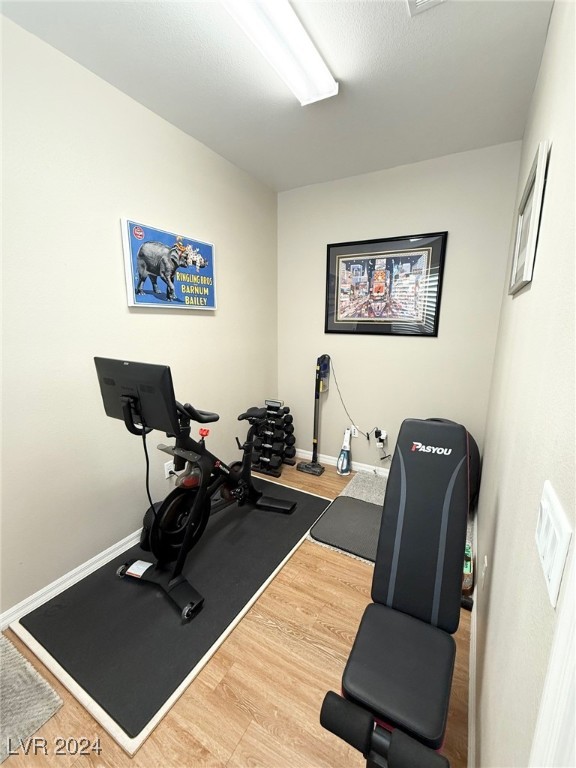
(351, 525)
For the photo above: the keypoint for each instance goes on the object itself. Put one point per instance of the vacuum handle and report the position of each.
(322, 372)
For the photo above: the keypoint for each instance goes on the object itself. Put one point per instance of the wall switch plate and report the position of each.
(553, 534)
(484, 569)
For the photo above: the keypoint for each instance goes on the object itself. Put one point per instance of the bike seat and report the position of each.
(202, 417)
(253, 414)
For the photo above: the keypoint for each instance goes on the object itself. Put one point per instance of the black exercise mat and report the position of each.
(123, 642)
(351, 525)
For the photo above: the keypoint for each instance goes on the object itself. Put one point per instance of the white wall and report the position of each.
(79, 155)
(385, 379)
(530, 432)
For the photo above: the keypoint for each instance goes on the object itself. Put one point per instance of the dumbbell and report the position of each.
(288, 428)
(290, 439)
(273, 410)
(274, 434)
(290, 452)
(282, 422)
(272, 461)
(260, 445)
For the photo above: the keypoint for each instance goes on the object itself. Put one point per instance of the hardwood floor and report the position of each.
(257, 701)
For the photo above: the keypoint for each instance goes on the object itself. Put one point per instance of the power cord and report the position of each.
(374, 430)
(147, 471)
(366, 434)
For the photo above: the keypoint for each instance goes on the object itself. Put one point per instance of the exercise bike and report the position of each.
(142, 396)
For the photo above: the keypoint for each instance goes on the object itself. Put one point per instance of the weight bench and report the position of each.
(396, 683)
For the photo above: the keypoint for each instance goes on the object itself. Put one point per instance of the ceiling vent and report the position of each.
(419, 6)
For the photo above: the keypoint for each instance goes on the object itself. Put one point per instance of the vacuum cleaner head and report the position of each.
(311, 467)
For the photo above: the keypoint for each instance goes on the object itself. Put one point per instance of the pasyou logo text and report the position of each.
(430, 449)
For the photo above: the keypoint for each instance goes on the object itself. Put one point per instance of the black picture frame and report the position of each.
(389, 286)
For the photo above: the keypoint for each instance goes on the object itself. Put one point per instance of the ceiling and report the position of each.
(456, 77)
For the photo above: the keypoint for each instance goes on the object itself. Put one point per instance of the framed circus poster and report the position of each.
(167, 270)
(388, 286)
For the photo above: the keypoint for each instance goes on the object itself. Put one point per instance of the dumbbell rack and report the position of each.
(274, 442)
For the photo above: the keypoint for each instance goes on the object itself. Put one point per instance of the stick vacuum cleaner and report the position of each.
(320, 385)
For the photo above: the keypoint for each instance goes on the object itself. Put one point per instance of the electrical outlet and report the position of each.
(168, 469)
(354, 431)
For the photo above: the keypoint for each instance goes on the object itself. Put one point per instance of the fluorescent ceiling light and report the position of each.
(280, 37)
(417, 6)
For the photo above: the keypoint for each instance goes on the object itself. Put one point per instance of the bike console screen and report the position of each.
(138, 393)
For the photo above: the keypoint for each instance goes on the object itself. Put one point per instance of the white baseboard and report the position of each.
(472, 689)
(472, 662)
(56, 587)
(333, 462)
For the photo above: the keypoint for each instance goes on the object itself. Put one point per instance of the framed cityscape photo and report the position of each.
(388, 286)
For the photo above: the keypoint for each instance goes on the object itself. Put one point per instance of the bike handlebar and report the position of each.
(202, 417)
(206, 417)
